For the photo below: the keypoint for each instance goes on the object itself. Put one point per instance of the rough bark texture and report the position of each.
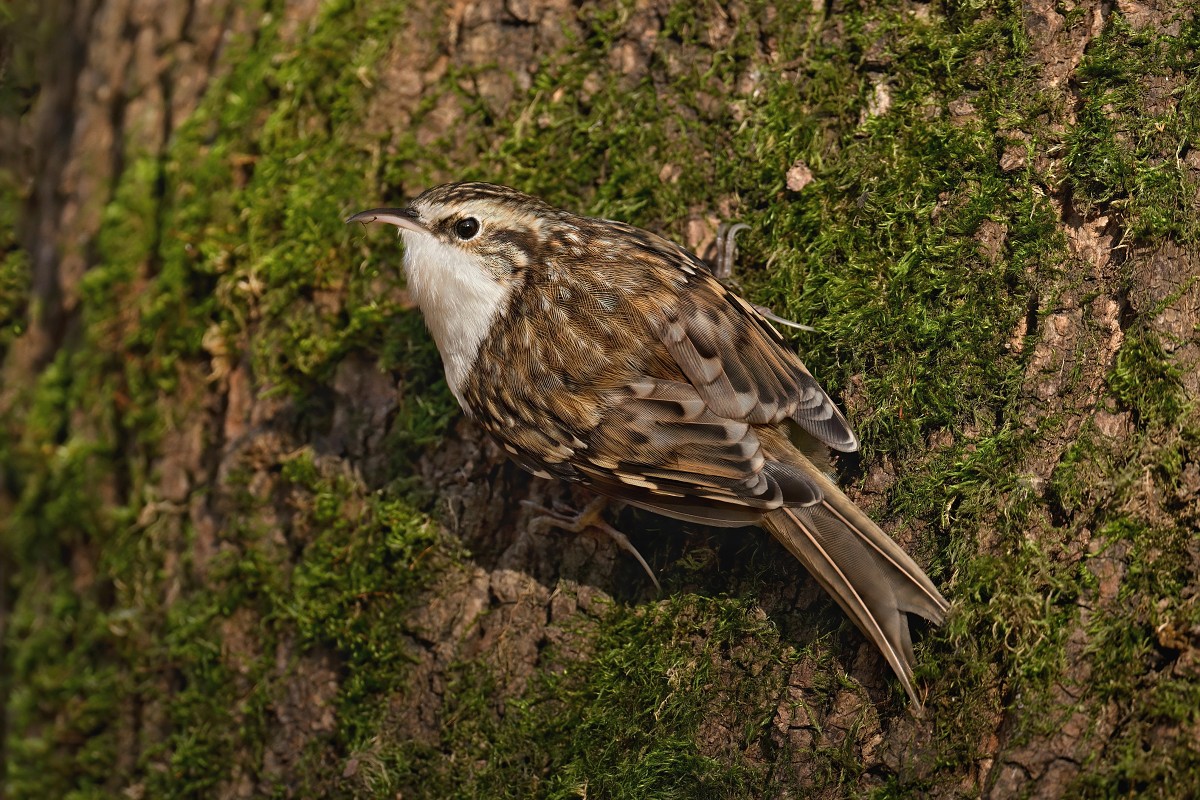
(250, 548)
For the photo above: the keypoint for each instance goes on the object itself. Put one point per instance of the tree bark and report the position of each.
(250, 546)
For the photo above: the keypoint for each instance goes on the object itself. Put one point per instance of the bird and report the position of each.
(599, 353)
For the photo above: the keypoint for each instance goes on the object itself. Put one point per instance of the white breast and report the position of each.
(459, 298)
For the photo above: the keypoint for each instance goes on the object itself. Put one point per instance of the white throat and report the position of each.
(458, 298)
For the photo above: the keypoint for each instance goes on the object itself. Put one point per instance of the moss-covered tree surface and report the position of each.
(249, 547)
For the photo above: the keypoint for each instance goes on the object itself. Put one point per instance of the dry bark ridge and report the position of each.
(120, 79)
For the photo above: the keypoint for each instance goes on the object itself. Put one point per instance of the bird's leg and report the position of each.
(723, 268)
(592, 516)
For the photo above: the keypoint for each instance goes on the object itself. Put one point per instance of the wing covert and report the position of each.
(740, 367)
(662, 447)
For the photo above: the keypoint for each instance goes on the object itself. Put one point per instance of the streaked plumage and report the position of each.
(597, 352)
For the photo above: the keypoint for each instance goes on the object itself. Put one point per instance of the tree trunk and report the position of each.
(251, 547)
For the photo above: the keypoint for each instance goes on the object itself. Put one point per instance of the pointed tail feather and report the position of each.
(869, 575)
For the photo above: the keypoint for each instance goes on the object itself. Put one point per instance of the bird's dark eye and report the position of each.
(466, 228)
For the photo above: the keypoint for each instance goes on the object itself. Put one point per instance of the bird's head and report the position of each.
(467, 237)
(467, 248)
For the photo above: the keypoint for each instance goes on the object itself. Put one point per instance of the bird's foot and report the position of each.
(723, 269)
(592, 516)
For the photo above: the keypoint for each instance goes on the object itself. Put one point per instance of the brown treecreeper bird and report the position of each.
(600, 353)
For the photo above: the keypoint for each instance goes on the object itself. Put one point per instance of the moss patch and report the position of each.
(14, 267)
(1140, 101)
(230, 243)
(625, 722)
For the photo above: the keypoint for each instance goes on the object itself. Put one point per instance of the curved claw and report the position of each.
(590, 517)
(727, 254)
(771, 315)
(727, 248)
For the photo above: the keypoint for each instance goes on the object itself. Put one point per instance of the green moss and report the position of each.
(1144, 550)
(352, 585)
(855, 253)
(65, 661)
(258, 211)
(625, 721)
(14, 266)
(213, 238)
(1146, 382)
(1140, 98)
(1140, 648)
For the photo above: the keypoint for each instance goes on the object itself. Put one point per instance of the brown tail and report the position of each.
(875, 581)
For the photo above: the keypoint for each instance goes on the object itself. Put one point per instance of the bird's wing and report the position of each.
(665, 449)
(739, 363)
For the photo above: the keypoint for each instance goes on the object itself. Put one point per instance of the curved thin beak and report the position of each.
(404, 218)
